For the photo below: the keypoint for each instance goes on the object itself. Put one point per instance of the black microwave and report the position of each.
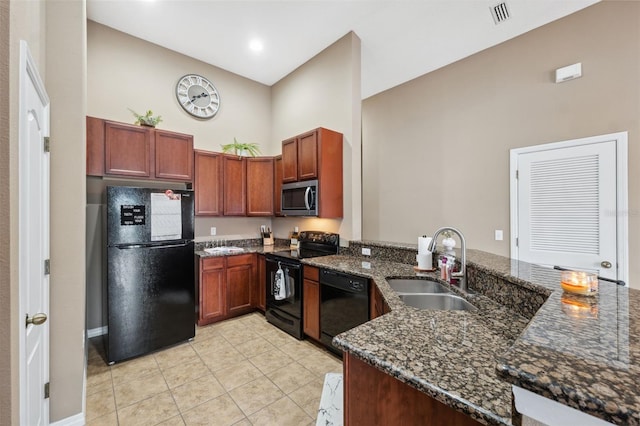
(300, 198)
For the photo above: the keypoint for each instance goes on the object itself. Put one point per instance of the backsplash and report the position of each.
(509, 291)
(246, 242)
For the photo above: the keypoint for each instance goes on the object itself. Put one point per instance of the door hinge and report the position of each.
(46, 390)
(47, 144)
(517, 174)
(517, 242)
(47, 266)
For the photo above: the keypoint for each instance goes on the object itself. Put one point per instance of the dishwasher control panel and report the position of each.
(344, 281)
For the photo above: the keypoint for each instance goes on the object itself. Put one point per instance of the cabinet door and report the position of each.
(376, 301)
(277, 185)
(290, 160)
(260, 186)
(308, 156)
(235, 185)
(212, 290)
(208, 183)
(311, 308)
(127, 150)
(262, 282)
(241, 284)
(311, 302)
(174, 155)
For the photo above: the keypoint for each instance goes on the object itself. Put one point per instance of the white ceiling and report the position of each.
(401, 39)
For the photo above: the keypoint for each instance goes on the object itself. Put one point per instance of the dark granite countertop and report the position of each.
(449, 355)
(580, 351)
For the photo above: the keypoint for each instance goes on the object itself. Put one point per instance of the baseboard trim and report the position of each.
(95, 332)
(77, 420)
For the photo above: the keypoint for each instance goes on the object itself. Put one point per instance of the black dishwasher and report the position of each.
(344, 304)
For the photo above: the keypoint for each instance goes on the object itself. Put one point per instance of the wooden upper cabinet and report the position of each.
(95, 146)
(127, 150)
(260, 186)
(174, 155)
(308, 156)
(277, 185)
(290, 160)
(208, 183)
(234, 169)
(317, 155)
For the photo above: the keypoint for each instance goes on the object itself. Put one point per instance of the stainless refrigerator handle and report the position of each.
(307, 203)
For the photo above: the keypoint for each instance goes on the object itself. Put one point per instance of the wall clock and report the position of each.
(198, 96)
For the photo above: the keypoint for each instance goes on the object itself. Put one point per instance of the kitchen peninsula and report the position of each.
(580, 352)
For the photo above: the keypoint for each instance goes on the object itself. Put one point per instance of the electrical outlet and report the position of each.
(498, 234)
(366, 265)
(213, 230)
(366, 251)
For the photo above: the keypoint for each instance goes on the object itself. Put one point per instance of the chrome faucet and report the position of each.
(461, 275)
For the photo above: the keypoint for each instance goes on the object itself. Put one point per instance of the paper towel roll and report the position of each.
(423, 245)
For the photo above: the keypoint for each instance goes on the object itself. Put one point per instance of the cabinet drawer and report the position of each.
(311, 273)
(212, 263)
(241, 259)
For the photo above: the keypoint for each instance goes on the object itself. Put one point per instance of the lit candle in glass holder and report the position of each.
(579, 282)
(579, 307)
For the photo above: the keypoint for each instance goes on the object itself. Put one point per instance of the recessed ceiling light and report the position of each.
(256, 45)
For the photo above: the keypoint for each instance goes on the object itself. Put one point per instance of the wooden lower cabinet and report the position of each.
(241, 284)
(228, 287)
(212, 290)
(262, 282)
(377, 304)
(311, 302)
(372, 397)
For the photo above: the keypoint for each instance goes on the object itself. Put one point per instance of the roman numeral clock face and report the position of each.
(198, 96)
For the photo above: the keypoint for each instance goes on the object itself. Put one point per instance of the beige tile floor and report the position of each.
(242, 371)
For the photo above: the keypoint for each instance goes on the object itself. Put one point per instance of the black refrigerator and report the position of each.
(150, 270)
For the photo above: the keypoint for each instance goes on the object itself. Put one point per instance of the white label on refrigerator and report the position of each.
(166, 216)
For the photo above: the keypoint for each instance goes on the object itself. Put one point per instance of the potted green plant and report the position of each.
(146, 120)
(241, 148)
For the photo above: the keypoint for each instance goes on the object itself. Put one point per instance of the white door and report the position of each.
(566, 201)
(33, 200)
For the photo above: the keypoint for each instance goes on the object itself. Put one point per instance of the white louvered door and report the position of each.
(567, 207)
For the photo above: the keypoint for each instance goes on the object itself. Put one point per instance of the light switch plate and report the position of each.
(366, 251)
(498, 235)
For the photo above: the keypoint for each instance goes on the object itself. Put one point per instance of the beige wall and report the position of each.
(8, 359)
(436, 149)
(325, 92)
(127, 72)
(66, 86)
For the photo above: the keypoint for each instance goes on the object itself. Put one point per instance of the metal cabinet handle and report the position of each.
(37, 319)
(605, 264)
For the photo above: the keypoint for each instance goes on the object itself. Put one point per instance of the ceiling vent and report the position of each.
(500, 13)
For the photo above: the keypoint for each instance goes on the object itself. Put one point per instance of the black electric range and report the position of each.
(284, 304)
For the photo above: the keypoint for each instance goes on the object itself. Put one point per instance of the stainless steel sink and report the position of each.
(416, 286)
(441, 302)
